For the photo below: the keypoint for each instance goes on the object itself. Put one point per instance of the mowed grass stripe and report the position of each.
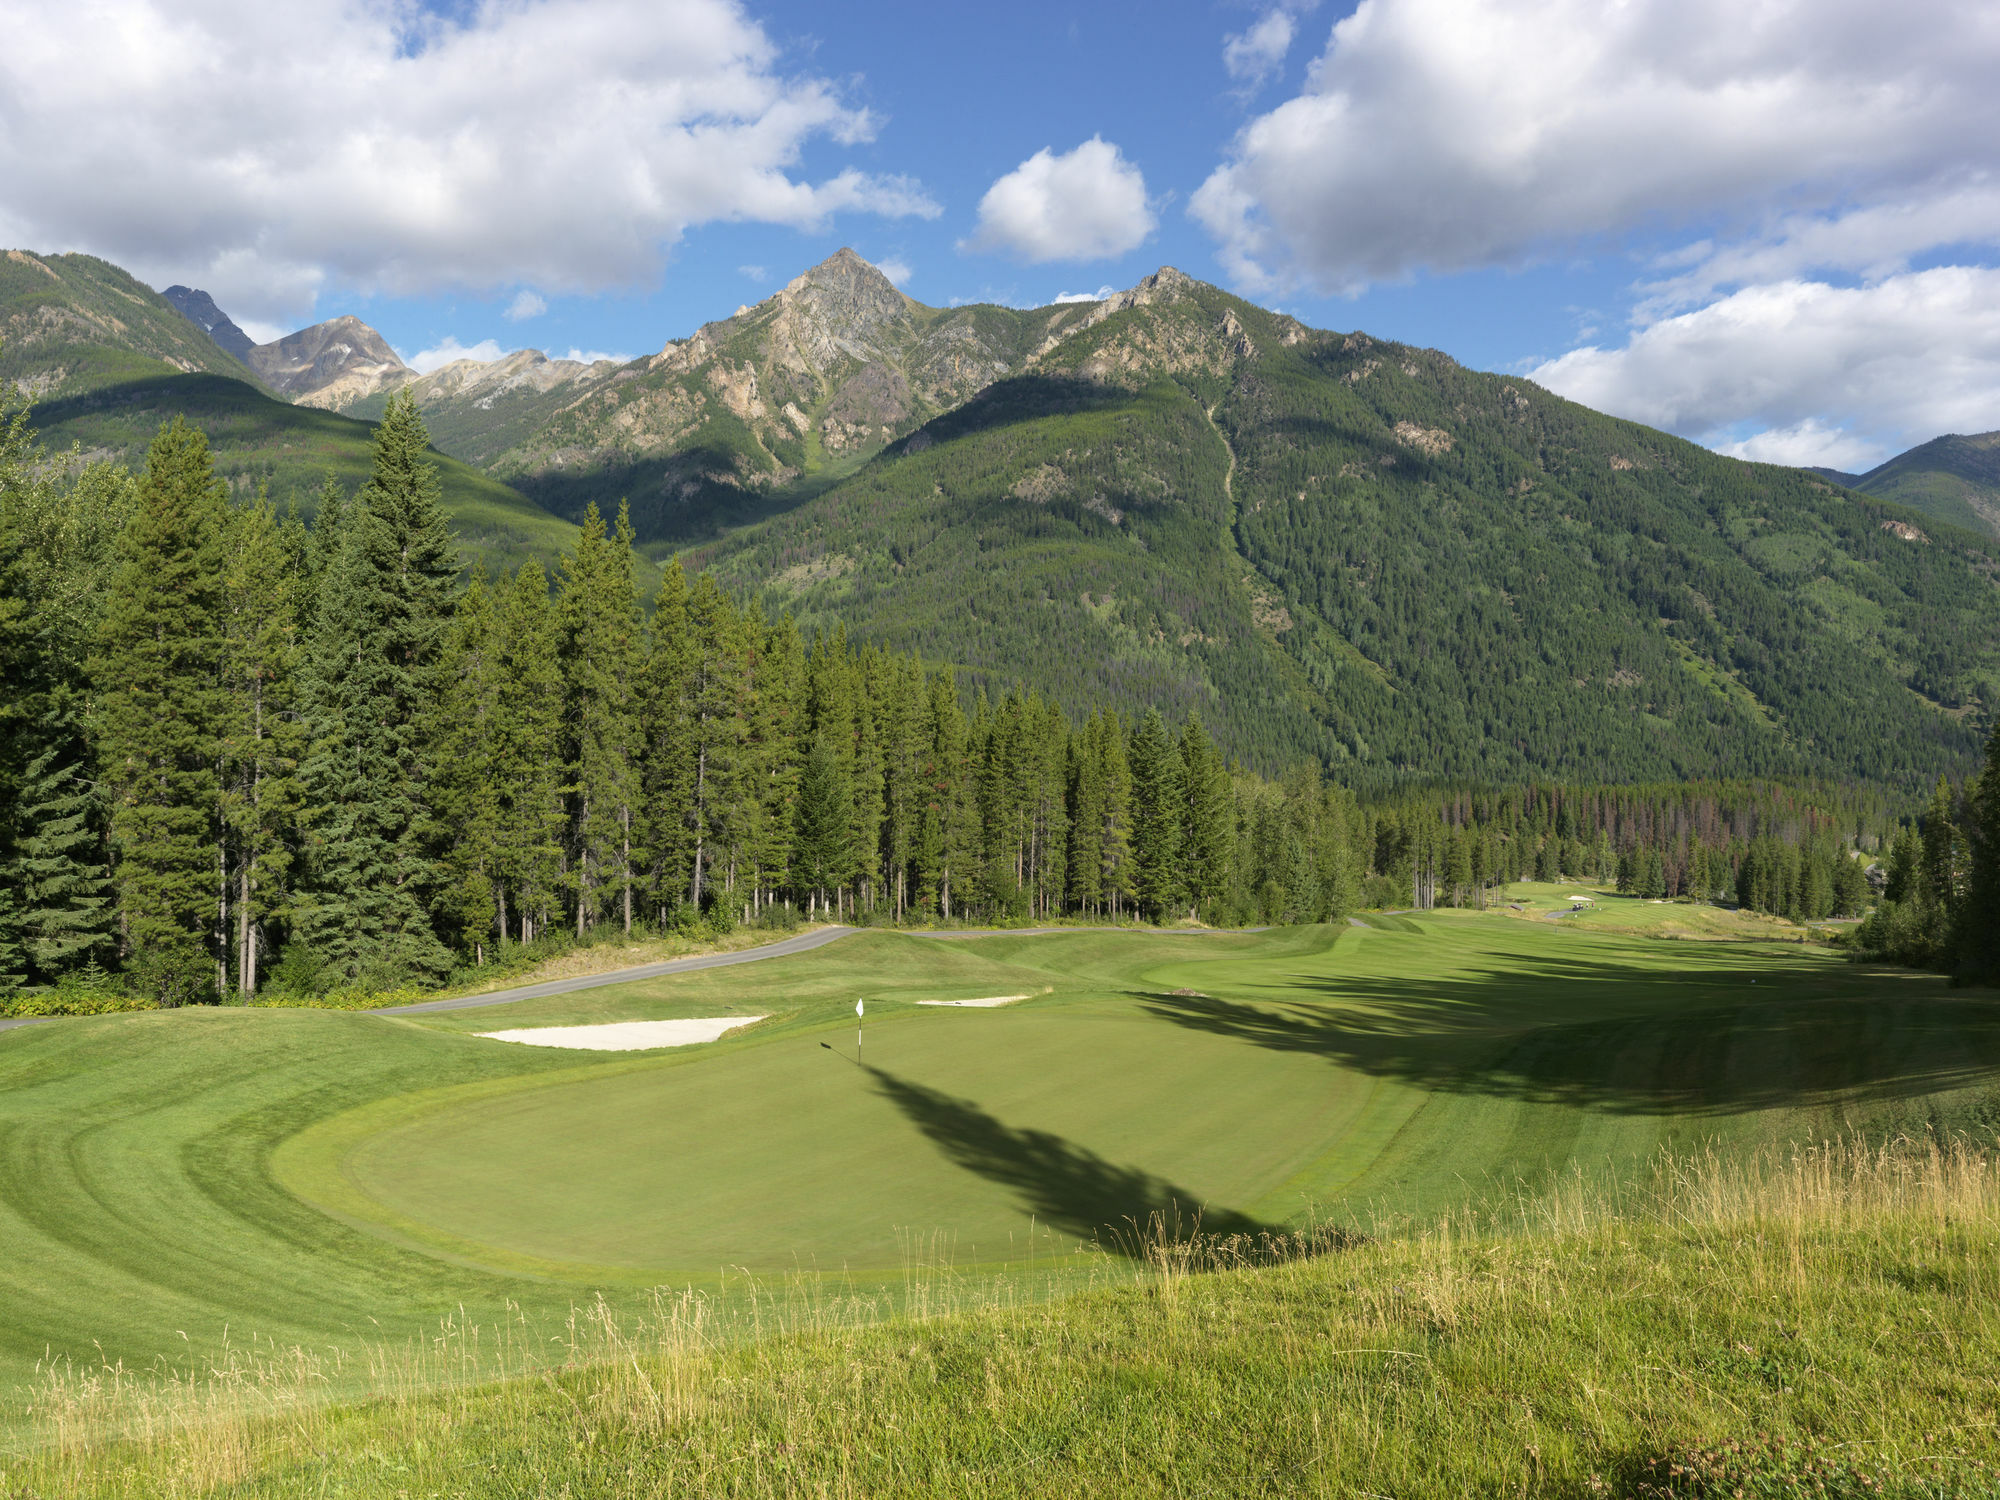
(1339, 1072)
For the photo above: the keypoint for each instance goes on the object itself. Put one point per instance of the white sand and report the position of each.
(987, 1003)
(625, 1036)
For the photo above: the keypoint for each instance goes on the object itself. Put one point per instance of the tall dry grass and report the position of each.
(1786, 1224)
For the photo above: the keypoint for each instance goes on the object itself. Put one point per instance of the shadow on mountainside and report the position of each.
(1024, 398)
(1627, 1041)
(1123, 1209)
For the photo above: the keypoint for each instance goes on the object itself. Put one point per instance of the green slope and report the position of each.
(260, 440)
(333, 1179)
(74, 323)
(1363, 552)
(1953, 479)
(107, 360)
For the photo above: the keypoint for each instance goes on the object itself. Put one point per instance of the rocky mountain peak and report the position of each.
(331, 364)
(199, 309)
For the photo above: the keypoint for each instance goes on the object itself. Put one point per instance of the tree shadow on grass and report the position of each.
(1702, 1041)
(1123, 1209)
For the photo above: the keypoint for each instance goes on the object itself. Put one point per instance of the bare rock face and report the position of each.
(482, 381)
(331, 364)
(199, 309)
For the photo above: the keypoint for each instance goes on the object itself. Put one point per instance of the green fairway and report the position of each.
(318, 1177)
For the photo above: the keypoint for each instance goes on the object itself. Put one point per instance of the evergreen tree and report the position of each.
(161, 716)
(603, 662)
(820, 853)
(59, 533)
(777, 683)
(380, 617)
(1979, 917)
(667, 761)
(60, 893)
(1208, 820)
(526, 752)
(713, 708)
(263, 737)
(467, 792)
(1156, 823)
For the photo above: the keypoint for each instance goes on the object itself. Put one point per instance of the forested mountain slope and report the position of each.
(106, 361)
(1951, 478)
(1362, 552)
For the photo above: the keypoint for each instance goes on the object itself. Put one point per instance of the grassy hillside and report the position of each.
(1817, 1327)
(331, 1178)
(74, 323)
(297, 1207)
(1952, 479)
(260, 440)
(1362, 552)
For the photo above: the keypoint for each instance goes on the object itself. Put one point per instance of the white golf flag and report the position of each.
(857, 1007)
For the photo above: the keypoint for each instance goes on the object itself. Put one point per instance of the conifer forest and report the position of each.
(241, 754)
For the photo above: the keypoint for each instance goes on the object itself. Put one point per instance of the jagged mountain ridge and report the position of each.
(478, 409)
(334, 364)
(199, 309)
(804, 383)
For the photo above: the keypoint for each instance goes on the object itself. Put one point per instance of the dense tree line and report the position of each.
(1940, 905)
(237, 750)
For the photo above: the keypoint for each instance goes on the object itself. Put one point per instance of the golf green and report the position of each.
(1375, 1070)
(176, 1185)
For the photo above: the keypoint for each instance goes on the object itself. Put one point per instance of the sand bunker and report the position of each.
(625, 1036)
(985, 1003)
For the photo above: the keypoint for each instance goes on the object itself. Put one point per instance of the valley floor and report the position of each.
(965, 1260)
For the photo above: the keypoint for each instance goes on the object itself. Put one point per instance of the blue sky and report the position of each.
(1771, 226)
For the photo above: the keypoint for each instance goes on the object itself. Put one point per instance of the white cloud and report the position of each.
(1808, 444)
(592, 356)
(1087, 204)
(526, 304)
(896, 269)
(758, 274)
(1252, 56)
(448, 349)
(1456, 133)
(1873, 368)
(261, 150)
(1097, 296)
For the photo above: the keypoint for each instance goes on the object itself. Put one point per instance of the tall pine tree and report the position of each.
(372, 676)
(161, 712)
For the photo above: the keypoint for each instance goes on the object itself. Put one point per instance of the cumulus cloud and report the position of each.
(896, 269)
(758, 274)
(1448, 134)
(1841, 376)
(1252, 56)
(1097, 296)
(259, 150)
(1808, 444)
(448, 349)
(526, 304)
(1087, 204)
(592, 356)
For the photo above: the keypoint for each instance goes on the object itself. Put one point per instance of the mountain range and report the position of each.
(1333, 547)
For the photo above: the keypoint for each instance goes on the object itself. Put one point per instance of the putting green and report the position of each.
(1374, 1069)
